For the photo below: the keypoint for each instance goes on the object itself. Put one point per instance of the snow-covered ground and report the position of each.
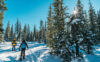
(35, 53)
(91, 58)
(95, 57)
(38, 53)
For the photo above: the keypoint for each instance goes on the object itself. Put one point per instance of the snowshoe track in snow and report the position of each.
(35, 53)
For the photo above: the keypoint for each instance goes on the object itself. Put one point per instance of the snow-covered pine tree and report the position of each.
(20, 33)
(87, 42)
(37, 35)
(25, 32)
(31, 36)
(11, 33)
(88, 39)
(7, 35)
(17, 29)
(28, 33)
(14, 35)
(34, 33)
(59, 45)
(45, 32)
(98, 26)
(93, 22)
(17, 26)
(77, 28)
(41, 31)
(50, 28)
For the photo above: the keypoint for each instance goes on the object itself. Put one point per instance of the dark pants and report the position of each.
(23, 53)
(13, 48)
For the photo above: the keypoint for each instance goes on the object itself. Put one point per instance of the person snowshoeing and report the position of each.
(14, 43)
(23, 47)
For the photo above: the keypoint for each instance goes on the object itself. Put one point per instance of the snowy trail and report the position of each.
(36, 53)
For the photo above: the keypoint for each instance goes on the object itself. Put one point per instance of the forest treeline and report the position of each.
(17, 32)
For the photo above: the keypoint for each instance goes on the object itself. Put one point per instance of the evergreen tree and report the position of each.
(20, 33)
(31, 36)
(34, 33)
(98, 26)
(41, 31)
(28, 33)
(77, 28)
(8, 31)
(17, 29)
(11, 33)
(93, 22)
(89, 31)
(37, 35)
(17, 26)
(87, 41)
(25, 32)
(14, 35)
(50, 28)
(58, 37)
(45, 31)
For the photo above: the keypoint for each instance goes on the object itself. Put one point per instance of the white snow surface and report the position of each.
(91, 58)
(37, 52)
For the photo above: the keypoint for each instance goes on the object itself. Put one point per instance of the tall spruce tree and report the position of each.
(20, 33)
(34, 33)
(45, 32)
(59, 42)
(17, 29)
(28, 33)
(87, 42)
(8, 32)
(11, 33)
(77, 28)
(50, 28)
(93, 22)
(98, 26)
(37, 35)
(41, 31)
(25, 32)
(31, 36)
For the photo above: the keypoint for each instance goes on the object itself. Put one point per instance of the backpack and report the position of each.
(23, 45)
(14, 43)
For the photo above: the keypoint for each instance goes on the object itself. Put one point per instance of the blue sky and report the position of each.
(32, 11)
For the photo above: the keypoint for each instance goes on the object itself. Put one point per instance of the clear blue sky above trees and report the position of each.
(32, 11)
